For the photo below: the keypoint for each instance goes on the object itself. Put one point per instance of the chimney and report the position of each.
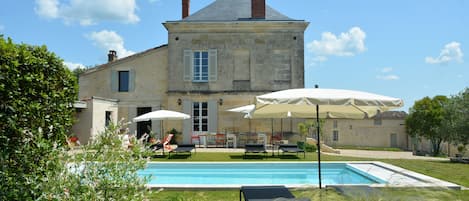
(258, 9)
(112, 56)
(185, 8)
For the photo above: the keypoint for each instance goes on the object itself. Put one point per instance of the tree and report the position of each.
(78, 71)
(425, 119)
(37, 93)
(456, 121)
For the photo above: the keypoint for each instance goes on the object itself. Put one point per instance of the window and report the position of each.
(124, 81)
(200, 66)
(335, 124)
(335, 136)
(200, 116)
(108, 118)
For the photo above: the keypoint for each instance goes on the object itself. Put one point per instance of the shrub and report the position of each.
(310, 147)
(37, 93)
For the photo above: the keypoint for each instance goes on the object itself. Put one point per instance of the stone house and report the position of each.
(218, 58)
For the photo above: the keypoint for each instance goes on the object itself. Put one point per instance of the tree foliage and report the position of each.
(36, 96)
(426, 118)
(103, 170)
(456, 120)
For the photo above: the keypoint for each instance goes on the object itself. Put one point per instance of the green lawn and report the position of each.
(456, 173)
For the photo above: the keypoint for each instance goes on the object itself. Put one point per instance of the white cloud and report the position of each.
(73, 66)
(47, 8)
(346, 44)
(2, 27)
(386, 74)
(88, 12)
(110, 40)
(386, 70)
(451, 52)
(387, 77)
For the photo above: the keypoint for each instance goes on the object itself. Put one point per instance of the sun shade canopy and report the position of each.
(333, 103)
(162, 115)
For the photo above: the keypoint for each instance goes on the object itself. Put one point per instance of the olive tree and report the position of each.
(426, 118)
(456, 121)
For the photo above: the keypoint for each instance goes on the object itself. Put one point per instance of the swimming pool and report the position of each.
(266, 173)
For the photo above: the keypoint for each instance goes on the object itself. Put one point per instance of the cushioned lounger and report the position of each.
(183, 148)
(254, 148)
(266, 193)
(291, 148)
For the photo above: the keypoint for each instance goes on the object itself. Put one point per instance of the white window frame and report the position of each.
(199, 118)
(199, 76)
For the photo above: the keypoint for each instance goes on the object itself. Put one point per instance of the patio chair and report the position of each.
(278, 193)
(254, 148)
(220, 139)
(183, 148)
(290, 148)
(195, 137)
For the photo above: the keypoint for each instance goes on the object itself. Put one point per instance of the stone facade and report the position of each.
(247, 57)
(366, 133)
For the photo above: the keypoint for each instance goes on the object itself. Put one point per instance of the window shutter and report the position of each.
(212, 116)
(187, 123)
(156, 125)
(212, 64)
(114, 80)
(188, 65)
(131, 80)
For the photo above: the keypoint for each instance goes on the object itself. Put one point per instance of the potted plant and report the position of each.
(177, 136)
(462, 150)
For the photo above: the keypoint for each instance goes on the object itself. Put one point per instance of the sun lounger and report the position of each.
(164, 145)
(254, 148)
(183, 148)
(267, 193)
(290, 148)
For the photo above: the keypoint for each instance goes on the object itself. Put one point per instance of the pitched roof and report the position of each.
(120, 60)
(233, 10)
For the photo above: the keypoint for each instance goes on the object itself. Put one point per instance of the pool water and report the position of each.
(254, 174)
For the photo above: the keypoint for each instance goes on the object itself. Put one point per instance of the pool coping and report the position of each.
(380, 170)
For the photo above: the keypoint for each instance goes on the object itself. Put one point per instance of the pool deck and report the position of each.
(395, 177)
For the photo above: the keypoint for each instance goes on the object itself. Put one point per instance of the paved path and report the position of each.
(348, 152)
(383, 154)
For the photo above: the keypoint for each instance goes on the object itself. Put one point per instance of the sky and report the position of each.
(398, 48)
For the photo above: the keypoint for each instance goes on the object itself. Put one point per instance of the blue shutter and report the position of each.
(212, 65)
(187, 123)
(114, 80)
(188, 65)
(212, 116)
(131, 80)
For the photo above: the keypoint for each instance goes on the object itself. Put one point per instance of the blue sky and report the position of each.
(399, 48)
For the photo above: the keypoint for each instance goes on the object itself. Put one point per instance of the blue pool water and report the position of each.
(254, 174)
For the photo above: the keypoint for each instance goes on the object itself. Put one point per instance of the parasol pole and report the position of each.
(319, 142)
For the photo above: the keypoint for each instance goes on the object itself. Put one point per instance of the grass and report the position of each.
(452, 172)
(383, 194)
